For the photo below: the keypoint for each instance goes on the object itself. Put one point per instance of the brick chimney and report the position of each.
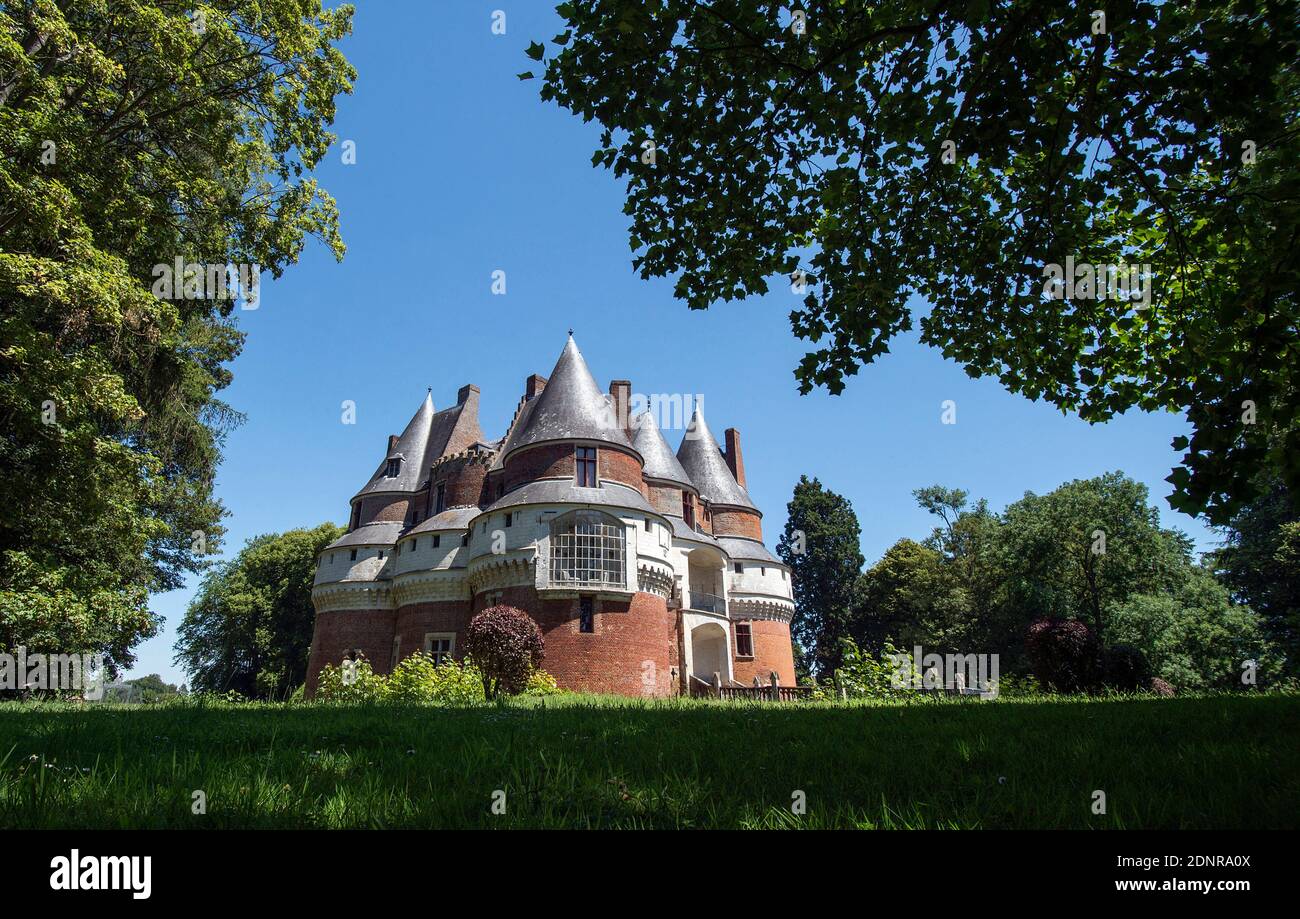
(734, 458)
(534, 385)
(465, 393)
(621, 390)
(392, 442)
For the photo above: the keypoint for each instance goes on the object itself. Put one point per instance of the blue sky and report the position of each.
(461, 171)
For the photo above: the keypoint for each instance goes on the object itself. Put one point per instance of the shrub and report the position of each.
(1160, 688)
(355, 681)
(506, 646)
(541, 683)
(862, 676)
(1064, 654)
(418, 678)
(1125, 667)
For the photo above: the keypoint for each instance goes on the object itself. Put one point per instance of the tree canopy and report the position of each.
(133, 134)
(961, 153)
(249, 627)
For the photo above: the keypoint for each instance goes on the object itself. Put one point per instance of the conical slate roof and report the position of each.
(410, 448)
(659, 460)
(704, 463)
(428, 435)
(571, 407)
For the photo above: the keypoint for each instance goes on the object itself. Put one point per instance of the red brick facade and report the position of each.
(340, 631)
(773, 650)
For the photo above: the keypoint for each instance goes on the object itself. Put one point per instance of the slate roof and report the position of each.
(708, 470)
(748, 550)
(571, 407)
(372, 534)
(563, 491)
(428, 436)
(660, 463)
(456, 518)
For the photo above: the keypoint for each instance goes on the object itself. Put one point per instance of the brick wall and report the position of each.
(338, 631)
(773, 650)
(556, 461)
(383, 508)
(737, 523)
(415, 619)
(631, 652)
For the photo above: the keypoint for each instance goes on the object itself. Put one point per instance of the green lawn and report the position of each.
(1213, 761)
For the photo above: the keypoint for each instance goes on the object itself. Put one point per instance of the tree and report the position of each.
(1087, 545)
(249, 627)
(506, 646)
(1195, 637)
(821, 546)
(133, 134)
(840, 147)
(909, 598)
(1260, 564)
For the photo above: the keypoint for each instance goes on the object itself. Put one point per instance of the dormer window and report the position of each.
(394, 467)
(688, 510)
(585, 471)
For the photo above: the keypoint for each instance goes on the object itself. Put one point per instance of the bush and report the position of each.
(1064, 654)
(418, 678)
(541, 683)
(506, 646)
(1125, 668)
(862, 676)
(354, 681)
(1160, 688)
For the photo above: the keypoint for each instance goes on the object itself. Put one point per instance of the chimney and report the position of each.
(392, 442)
(465, 393)
(534, 385)
(734, 458)
(621, 390)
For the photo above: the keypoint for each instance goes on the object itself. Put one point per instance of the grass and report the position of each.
(582, 761)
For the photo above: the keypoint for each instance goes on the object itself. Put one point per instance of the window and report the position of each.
(587, 548)
(415, 542)
(763, 571)
(381, 553)
(440, 498)
(397, 653)
(510, 517)
(740, 568)
(464, 540)
(501, 489)
(354, 555)
(744, 640)
(331, 558)
(647, 524)
(440, 646)
(394, 467)
(586, 467)
(587, 614)
(437, 541)
(688, 510)
(399, 549)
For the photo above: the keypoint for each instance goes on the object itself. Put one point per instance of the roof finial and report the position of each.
(570, 333)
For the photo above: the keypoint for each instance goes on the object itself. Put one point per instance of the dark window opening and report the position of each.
(394, 467)
(464, 540)
(440, 501)
(587, 614)
(688, 510)
(354, 555)
(586, 467)
(437, 541)
(740, 569)
(744, 640)
(510, 519)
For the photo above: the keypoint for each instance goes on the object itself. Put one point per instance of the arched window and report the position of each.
(588, 549)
